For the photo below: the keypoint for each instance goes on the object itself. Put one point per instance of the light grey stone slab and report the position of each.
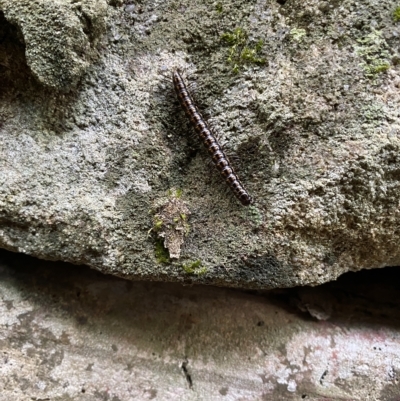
(70, 333)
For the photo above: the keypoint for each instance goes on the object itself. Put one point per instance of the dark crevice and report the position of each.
(321, 380)
(14, 71)
(185, 371)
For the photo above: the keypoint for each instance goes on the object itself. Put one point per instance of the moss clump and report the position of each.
(174, 193)
(297, 34)
(373, 50)
(236, 38)
(219, 7)
(157, 224)
(161, 252)
(396, 14)
(194, 268)
(378, 68)
(240, 52)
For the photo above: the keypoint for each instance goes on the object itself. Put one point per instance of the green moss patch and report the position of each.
(396, 14)
(161, 253)
(373, 50)
(240, 52)
(194, 268)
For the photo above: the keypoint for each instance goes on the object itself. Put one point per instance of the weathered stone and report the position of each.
(316, 127)
(69, 333)
(59, 36)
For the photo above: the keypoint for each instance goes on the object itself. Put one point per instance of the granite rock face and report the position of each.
(94, 151)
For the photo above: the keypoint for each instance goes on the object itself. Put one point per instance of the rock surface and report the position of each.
(59, 36)
(93, 150)
(70, 333)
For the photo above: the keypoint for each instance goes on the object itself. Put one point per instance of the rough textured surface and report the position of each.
(70, 333)
(59, 36)
(85, 165)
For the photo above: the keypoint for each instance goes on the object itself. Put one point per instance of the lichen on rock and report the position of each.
(171, 222)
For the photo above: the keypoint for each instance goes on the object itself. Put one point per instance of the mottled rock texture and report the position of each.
(93, 149)
(58, 35)
(69, 333)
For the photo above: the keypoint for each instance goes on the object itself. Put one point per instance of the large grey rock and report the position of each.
(69, 333)
(103, 170)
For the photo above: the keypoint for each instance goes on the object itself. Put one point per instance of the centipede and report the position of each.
(209, 140)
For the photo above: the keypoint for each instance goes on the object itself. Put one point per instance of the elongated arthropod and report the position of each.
(210, 141)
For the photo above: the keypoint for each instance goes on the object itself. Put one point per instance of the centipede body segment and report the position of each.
(209, 140)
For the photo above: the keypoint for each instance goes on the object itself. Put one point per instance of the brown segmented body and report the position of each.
(209, 140)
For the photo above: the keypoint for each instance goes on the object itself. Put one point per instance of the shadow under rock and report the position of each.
(356, 299)
(365, 298)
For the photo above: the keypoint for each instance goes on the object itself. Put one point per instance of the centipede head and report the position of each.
(176, 76)
(180, 73)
